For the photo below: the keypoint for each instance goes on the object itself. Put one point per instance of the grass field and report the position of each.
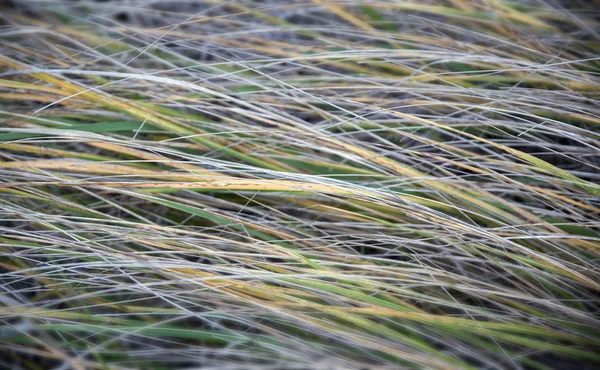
(300, 184)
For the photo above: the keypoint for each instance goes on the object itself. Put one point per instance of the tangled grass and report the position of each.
(300, 184)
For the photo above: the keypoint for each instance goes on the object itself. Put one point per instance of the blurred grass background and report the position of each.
(299, 184)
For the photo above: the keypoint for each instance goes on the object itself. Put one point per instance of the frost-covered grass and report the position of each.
(299, 184)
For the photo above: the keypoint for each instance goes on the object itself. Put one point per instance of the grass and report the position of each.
(299, 184)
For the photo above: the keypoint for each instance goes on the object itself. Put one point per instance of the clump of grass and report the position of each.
(299, 184)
